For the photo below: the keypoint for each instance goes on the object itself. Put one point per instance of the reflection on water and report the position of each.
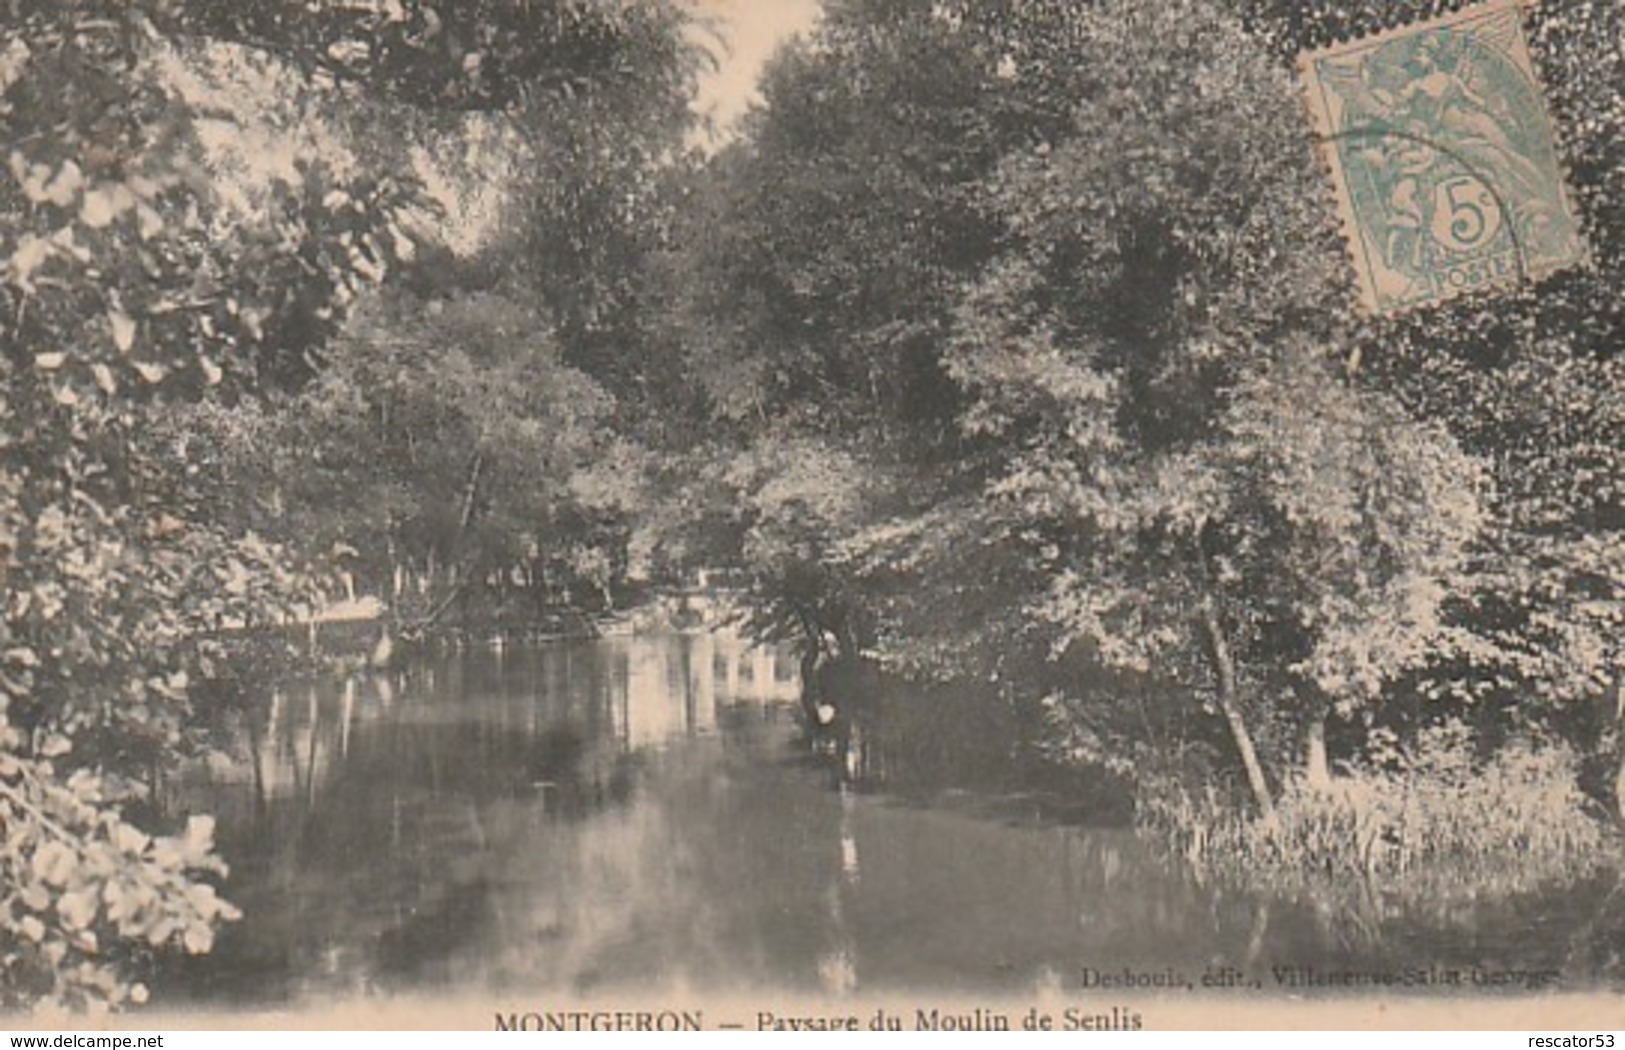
(631, 813)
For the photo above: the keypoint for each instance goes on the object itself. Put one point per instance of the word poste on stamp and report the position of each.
(1443, 157)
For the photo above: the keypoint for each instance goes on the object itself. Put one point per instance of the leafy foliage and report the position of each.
(1071, 272)
(160, 283)
(443, 440)
(1012, 346)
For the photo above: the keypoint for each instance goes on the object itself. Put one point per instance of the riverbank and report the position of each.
(593, 818)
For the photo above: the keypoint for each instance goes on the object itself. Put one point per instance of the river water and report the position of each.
(589, 817)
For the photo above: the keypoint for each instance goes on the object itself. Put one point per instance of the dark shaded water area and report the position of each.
(585, 817)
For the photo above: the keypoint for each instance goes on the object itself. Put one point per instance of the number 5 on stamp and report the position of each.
(1443, 158)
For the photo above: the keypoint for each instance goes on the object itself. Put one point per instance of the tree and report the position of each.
(135, 277)
(1523, 382)
(463, 437)
(444, 445)
(1130, 345)
(123, 284)
(820, 260)
(830, 242)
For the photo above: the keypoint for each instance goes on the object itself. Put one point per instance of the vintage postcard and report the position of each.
(811, 515)
(1445, 160)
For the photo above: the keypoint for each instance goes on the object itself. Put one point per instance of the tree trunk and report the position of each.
(1616, 697)
(1619, 789)
(445, 603)
(812, 653)
(470, 491)
(1224, 667)
(1317, 771)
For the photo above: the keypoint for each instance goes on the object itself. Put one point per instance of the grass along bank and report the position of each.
(1427, 824)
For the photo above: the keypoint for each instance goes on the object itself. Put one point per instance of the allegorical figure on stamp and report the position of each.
(1445, 158)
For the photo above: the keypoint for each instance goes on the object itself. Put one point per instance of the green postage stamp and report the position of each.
(1443, 157)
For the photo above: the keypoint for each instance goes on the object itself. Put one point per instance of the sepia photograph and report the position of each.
(812, 515)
